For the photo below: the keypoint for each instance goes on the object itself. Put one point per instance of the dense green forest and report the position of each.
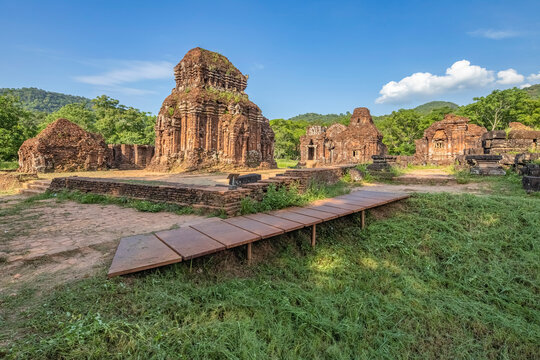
(34, 99)
(104, 115)
(402, 127)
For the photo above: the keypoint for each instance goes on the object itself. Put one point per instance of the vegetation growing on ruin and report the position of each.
(446, 276)
(281, 197)
(226, 96)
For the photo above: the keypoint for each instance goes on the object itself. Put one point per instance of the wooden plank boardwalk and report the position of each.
(142, 252)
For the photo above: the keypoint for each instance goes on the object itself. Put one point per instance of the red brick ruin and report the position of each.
(445, 140)
(63, 146)
(209, 121)
(340, 144)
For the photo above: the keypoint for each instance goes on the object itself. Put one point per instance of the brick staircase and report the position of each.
(35, 187)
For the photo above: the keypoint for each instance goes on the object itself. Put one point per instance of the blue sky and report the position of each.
(301, 56)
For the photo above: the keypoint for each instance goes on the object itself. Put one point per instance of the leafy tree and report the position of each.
(117, 123)
(287, 137)
(78, 113)
(16, 125)
(122, 125)
(501, 107)
(400, 129)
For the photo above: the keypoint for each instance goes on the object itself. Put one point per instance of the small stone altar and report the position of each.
(485, 164)
(382, 165)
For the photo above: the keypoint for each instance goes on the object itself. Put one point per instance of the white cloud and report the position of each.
(524, 86)
(495, 34)
(534, 77)
(509, 77)
(461, 75)
(131, 71)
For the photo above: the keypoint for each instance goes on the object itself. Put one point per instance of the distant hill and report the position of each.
(433, 105)
(533, 91)
(44, 101)
(345, 118)
(319, 118)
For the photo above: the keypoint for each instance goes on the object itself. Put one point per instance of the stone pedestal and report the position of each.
(531, 183)
(485, 164)
(382, 165)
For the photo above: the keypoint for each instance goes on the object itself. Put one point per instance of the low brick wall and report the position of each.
(207, 197)
(300, 178)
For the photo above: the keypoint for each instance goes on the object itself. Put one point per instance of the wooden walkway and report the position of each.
(142, 252)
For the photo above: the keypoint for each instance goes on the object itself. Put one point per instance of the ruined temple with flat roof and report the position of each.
(447, 139)
(209, 121)
(340, 144)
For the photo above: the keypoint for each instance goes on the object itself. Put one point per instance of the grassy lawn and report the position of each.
(9, 165)
(286, 163)
(444, 276)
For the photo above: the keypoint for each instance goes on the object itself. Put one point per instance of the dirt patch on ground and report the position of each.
(68, 240)
(472, 188)
(193, 178)
(386, 211)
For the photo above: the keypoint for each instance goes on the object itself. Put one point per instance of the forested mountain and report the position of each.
(322, 119)
(434, 105)
(423, 109)
(34, 99)
(533, 91)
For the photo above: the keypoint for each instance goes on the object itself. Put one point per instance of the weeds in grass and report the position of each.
(451, 276)
(392, 172)
(281, 197)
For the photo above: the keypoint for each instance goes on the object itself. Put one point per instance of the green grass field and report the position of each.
(286, 163)
(439, 276)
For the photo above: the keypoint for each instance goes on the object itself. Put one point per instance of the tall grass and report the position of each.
(448, 276)
(282, 197)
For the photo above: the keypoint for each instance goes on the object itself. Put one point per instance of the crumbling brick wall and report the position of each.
(125, 156)
(340, 144)
(63, 146)
(447, 139)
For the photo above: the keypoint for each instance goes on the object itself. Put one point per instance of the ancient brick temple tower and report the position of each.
(340, 144)
(444, 140)
(208, 120)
